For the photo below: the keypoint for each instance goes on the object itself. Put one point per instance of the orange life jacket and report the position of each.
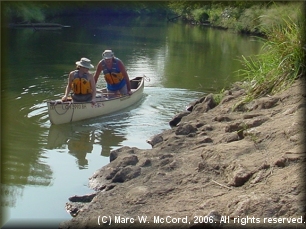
(112, 76)
(81, 84)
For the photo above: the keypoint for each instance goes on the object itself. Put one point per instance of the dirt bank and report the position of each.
(220, 166)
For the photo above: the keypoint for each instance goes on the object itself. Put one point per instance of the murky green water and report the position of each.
(43, 165)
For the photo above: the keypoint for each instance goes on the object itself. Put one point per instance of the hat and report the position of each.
(107, 54)
(84, 62)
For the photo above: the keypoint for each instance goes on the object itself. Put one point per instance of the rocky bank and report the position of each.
(219, 166)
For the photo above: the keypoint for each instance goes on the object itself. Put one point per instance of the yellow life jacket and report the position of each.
(112, 76)
(81, 85)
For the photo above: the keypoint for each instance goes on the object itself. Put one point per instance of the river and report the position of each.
(42, 164)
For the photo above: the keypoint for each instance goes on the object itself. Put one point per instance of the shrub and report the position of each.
(215, 15)
(249, 21)
(200, 15)
(281, 60)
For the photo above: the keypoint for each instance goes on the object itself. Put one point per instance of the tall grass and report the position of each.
(280, 62)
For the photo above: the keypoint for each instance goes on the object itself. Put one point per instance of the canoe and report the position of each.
(64, 112)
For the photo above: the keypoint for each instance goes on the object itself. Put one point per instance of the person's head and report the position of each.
(84, 63)
(107, 55)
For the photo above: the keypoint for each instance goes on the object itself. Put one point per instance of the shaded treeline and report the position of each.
(241, 16)
(27, 11)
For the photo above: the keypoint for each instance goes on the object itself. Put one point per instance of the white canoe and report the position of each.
(65, 112)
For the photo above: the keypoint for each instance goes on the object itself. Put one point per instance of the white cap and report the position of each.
(107, 54)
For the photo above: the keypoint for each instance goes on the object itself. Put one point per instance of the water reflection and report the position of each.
(79, 139)
(19, 171)
(79, 145)
(22, 155)
(208, 62)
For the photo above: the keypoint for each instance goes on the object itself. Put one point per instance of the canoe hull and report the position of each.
(65, 112)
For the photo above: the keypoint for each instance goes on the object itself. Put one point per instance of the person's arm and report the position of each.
(68, 87)
(93, 88)
(125, 75)
(98, 72)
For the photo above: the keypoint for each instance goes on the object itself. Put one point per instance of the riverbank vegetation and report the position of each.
(241, 16)
(282, 59)
(281, 28)
(280, 62)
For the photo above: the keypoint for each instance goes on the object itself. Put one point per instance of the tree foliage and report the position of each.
(41, 11)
